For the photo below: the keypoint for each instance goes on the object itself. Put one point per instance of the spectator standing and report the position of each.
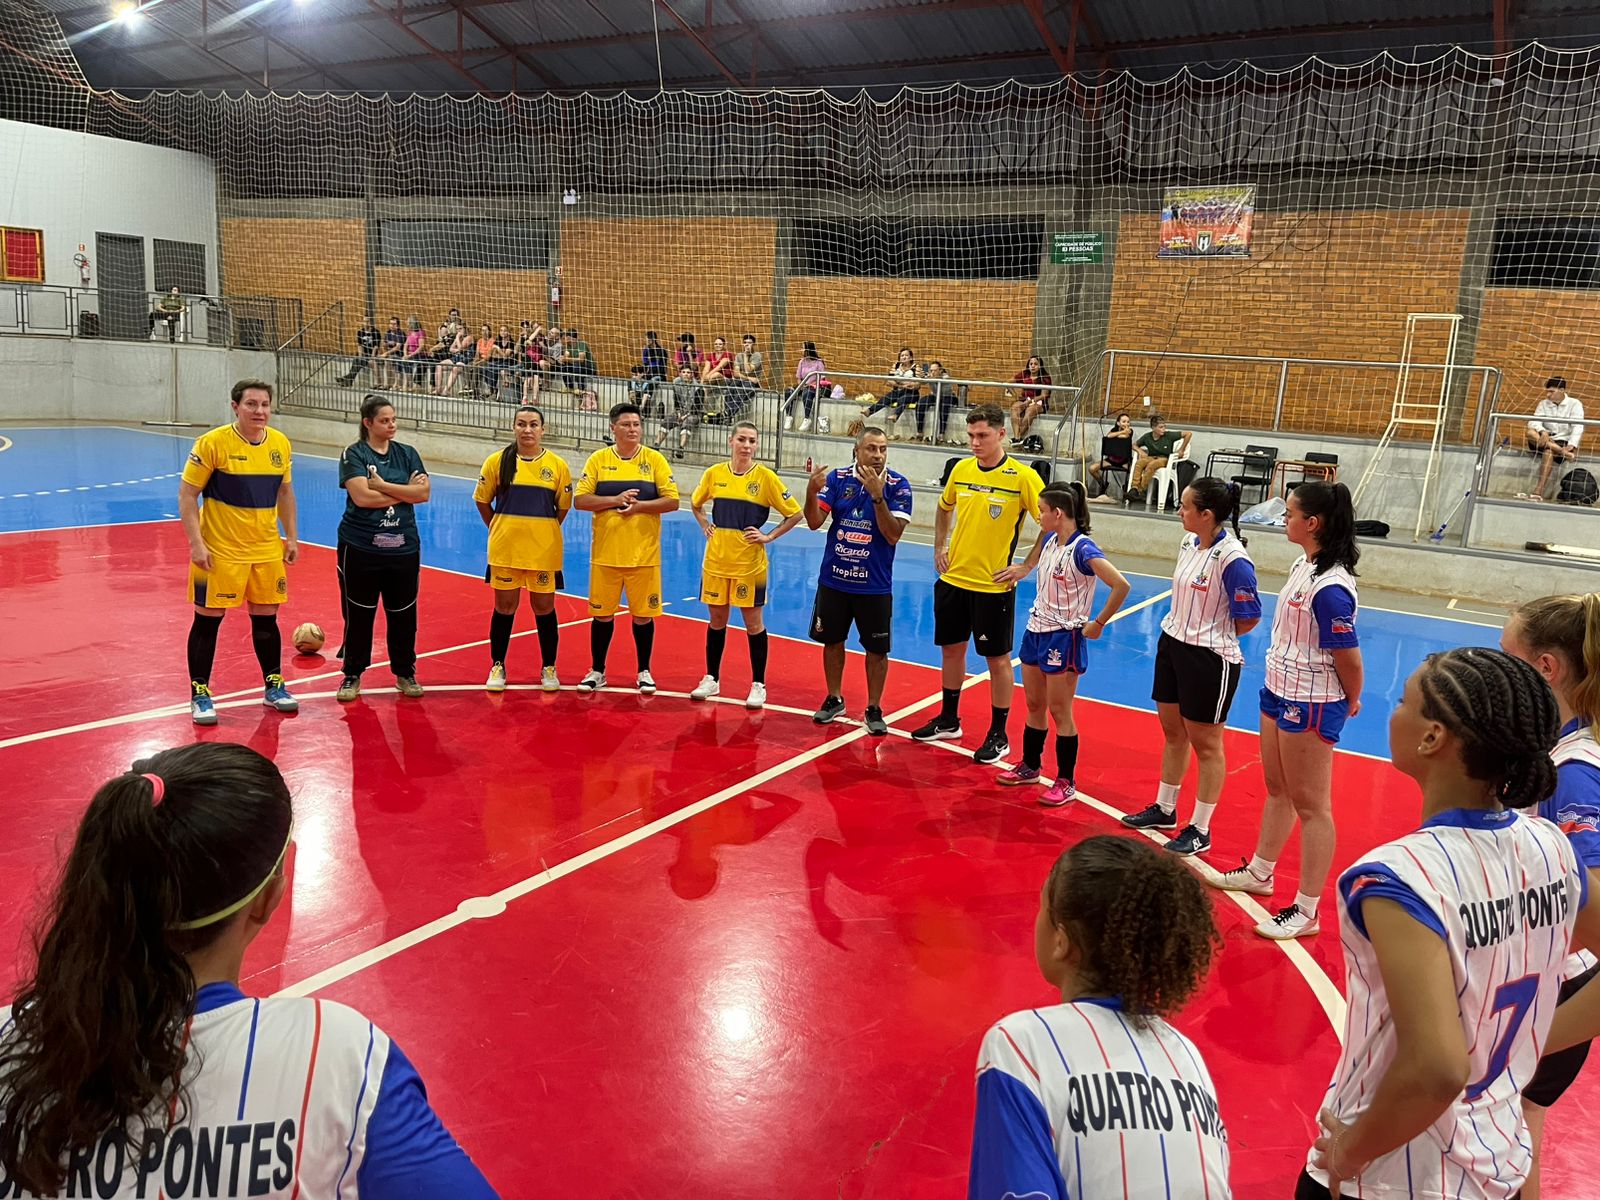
(1554, 433)
(368, 339)
(1154, 449)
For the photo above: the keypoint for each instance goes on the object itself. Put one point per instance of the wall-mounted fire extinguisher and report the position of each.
(555, 295)
(81, 261)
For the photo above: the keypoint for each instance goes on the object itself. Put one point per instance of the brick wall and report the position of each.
(707, 277)
(317, 260)
(1319, 285)
(1534, 333)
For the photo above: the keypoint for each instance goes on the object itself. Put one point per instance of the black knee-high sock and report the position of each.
(716, 640)
(264, 636)
(1033, 746)
(500, 627)
(997, 721)
(758, 656)
(950, 709)
(600, 643)
(203, 647)
(644, 642)
(549, 637)
(1067, 757)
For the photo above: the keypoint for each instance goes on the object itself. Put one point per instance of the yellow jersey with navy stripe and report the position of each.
(989, 504)
(740, 502)
(239, 482)
(525, 531)
(633, 540)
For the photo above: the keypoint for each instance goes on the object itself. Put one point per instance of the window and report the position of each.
(21, 255)
(897, 247)
(1549, 252)
(181, 265)
(480, 245)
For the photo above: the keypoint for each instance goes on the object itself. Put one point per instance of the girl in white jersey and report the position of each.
(1559, 636)
(1313, 686)
(1198, 660)
(131, 1064)
(1454, 938)
(1054, 652)
(1097, 1097)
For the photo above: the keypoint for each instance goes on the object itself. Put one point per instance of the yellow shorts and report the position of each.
(230, 584)
(510, 579)
(642, 584)
(741, 591)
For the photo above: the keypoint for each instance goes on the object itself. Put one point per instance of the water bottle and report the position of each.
(809, 467)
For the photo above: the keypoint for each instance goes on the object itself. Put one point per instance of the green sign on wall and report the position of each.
(1077, 248)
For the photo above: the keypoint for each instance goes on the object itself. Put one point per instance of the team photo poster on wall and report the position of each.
(1207, 222)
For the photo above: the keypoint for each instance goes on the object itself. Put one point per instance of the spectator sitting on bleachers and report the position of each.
(810, 378)
(941, 398)
(431, 362)
(747, 375)
(642, 391)
(530, 356)
(482, 358)
(368, 339)
(451, 368)
(688, 400)
(502, 364)
(1154, 448)
(715, 373)
(169, 309)
(1122, 429)
(1554, 431)
(577, 364)
(903, 393)
(1027, 405)
(412, 356)
(687, 355)
(387, 366)
(653, 358)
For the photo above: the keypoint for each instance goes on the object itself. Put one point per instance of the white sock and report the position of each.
(1262, 868)
(1306, 904)
(1167, 797)
(1202, 816)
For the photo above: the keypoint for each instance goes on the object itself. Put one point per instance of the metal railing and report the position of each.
(236, 322)
(1507, 471)
(1286, 393)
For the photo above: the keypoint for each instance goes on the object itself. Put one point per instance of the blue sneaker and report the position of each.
(201, 710)
(1190, 841)
(277, 696)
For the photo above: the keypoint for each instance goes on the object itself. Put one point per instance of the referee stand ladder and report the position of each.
(1425, 416)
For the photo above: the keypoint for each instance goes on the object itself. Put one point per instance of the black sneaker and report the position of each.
(872, 718)
(937, 730)
(1190, 841)
(1154, 817)
(832, 709)
(994, 747)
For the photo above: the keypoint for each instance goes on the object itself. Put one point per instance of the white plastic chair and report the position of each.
(1166, 478)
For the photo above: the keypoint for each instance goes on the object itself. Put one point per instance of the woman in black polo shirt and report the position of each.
(380, 557)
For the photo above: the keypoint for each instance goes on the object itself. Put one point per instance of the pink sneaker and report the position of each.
(1019, 774)
(1060, 792)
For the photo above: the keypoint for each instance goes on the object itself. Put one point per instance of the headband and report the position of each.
(224, 914)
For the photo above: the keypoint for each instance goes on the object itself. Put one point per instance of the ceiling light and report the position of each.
(128, 13)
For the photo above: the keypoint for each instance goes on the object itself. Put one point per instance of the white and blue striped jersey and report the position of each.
(1212, 587)
(1503, 891)
(289, 1098)
(1075, 1102)
(1065, 582)
(1316, 615)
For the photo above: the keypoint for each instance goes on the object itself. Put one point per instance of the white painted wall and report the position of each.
(75, 185)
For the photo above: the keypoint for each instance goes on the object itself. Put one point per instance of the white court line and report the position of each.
(5, 444)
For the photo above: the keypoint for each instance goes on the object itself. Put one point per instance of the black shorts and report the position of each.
(1556, 1072)
(1199, 681)
(834, 610)
(988, 618)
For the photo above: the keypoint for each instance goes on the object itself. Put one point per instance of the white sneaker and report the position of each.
(497, 678)
(1243, 879)
(549, 681)
(788, 422)
(805, 425)
(706, 688)
(757, 697)
(1290, 923)
(647, 684)
(591, 681)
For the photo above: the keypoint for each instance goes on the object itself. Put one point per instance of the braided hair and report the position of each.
(1503, 713)
(1140, 919)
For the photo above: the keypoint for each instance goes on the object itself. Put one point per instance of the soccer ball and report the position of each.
(308, 638)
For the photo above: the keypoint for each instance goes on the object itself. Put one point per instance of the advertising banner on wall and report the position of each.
(1207, 222)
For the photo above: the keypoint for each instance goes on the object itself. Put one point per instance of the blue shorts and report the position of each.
(1324, 717)
(1055, 652)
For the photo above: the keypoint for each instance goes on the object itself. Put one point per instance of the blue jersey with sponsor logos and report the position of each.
(858, 557)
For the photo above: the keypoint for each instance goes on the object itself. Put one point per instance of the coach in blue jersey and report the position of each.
(871, 507)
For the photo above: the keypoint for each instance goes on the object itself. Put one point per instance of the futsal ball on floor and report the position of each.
(308, 638)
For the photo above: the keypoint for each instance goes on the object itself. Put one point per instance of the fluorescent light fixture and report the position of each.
(128, 13)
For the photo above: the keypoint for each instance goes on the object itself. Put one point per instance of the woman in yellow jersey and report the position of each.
(524, 493)
(742, 493)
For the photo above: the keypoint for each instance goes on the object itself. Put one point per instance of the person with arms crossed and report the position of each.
(1127, 936)
(524, 493)
(1198, 660)
(742, 494)
(235, 556)
(871, 507)
(1055, 651)
(627, 486)
(131, 1046)
(1559, 636)
(1314, 678)
(986, 496)
(1454, 938)
(380, 552)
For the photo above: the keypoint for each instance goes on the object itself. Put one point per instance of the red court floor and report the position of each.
(709, 953)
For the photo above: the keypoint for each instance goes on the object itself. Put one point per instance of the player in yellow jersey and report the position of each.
(987, 496)
(742, 494)
(524, 493)
(627, 486)
(235, 556)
